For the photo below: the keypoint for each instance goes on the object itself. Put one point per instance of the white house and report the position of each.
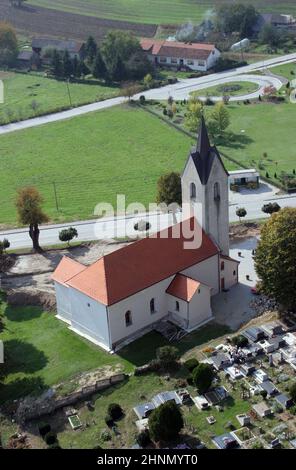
(125, 293)
(195, 56)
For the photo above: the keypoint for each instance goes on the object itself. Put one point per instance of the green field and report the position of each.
(243, 88)
(41, 351)
(263, 128)
(286, 70)
(155, 11)
(91, 159)
(27, 95)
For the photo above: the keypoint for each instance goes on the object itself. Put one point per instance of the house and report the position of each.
(247, 369)
(262, 410)
(234, 372)
(273, 329)
(243, 419)
(164, 397)
(41, 45)
(221, 360)
(260, 376)
(277, 20)
(216, 395)
(170, 275)
(244, 177)
(28, 59)
(194, 56)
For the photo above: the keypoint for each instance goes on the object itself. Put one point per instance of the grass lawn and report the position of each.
(91, 159)
(267, 128)
(41, 351)
(231, 89)
(155, 11)
(28, 95)
(286, 70)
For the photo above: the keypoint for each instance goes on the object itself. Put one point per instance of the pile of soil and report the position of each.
(245, 230)
(6, 263)
(31, 297)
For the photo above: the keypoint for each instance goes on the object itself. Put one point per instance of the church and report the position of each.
(128, 292)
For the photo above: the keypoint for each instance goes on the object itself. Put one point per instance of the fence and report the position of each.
(31, 408)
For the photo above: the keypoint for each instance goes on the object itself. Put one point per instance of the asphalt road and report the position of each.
(121, 226)
(179, 90)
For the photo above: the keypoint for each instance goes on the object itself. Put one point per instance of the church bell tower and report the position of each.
(205, 189)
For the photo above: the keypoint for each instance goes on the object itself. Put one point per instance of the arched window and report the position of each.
(216, 192)
(192, 191)
(222, 265)
(128, 318)
(152, 306)
(177, 306)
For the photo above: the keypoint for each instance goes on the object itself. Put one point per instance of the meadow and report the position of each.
(155, 11)
(91, 159)
(27, 95)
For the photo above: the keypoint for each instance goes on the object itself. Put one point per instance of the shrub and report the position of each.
(44, 428)
(202, 377)
(142, 99)
(293, 392)
(165, 422)
(109, 420)
(105, 435)
(50, 438)
(67, 234)
(240, 341)
(191, 364)
(115, 411)
(263, 394)
(143, 438)
(5, 244)
(55, 445)
(167, 355)
(292, 410)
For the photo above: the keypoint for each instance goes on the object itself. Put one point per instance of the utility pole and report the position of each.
(55, 196)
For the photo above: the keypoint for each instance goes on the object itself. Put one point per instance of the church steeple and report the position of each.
(203, 144)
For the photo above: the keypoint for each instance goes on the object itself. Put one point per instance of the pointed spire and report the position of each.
(203, 144)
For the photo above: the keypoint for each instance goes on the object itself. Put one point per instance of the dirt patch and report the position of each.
(33, 20)
(25, 297)
(6, 263)
(239, 231)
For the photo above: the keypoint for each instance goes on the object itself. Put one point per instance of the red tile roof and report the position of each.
(66, 269)
(177, 49)
(135, 267)
(183, 287)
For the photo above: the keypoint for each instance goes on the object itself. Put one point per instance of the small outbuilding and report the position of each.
(244, 177)
(283, 400)
(262, 410)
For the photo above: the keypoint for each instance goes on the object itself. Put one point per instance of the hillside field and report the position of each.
(156, 11)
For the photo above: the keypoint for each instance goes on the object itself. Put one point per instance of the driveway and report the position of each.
(232, 308)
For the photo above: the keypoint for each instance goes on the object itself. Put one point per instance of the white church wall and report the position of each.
(63, 301)
(200, 307)
(89, 318)
(139, 306)
(179, 316)
(206, 272)
(230, 272)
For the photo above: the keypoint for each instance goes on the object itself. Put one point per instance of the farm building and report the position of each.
(200, 57)
(169, 276)
(42, 45)
(243, 177)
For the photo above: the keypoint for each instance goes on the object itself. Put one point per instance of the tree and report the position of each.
(169, 189)
(167, 355)
(194, 112)
(99, 68)
(202, 377)
(220, 119)
(56, 64)
(269, 35)
(241, 212)
(67, 64)
(90, 50)
(293, 392)
(275, 258)
(165, 422)
(68, 234)
(5, 244)
(8, 45)
(271, 208)
(28, 205)
(230, 18)
(148, 80)
(129, 90)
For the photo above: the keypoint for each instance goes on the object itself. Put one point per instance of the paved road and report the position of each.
(119, 227)
(179, 90)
